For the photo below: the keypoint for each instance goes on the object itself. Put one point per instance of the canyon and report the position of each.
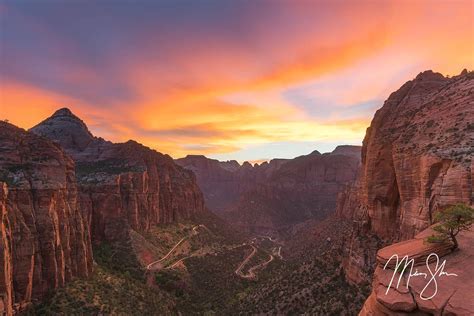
(273, 196)
(78, 210)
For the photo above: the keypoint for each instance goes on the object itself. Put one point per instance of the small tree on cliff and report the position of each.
(451, 221)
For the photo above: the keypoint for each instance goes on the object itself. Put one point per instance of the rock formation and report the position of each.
(416, 159)
(45, 240)
(123, 185)
(220, 182)
(278, 193)
(452, 294)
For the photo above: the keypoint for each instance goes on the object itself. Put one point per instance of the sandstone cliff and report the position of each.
(220, 182)
(45, 240)
(278, 193)
(122, 186)
(416, 159)
(451, 295)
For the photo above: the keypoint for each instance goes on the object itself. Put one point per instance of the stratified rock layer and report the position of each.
(123, 186)
(275, 194)
(45, 240)
(447, 295)
(416, 159)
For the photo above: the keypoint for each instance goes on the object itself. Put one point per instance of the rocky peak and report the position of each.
(429, 75)
(230, 165)
(64, 112)
(196, 157)
(347, 150)
(315, 153)
(65, 128)
(246, 165)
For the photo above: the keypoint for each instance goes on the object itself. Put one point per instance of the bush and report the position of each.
(452, 220)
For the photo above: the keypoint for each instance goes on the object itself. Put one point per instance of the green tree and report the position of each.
(451, 221)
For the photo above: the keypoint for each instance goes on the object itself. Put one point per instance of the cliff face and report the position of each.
(278, 193)
(125, 185)
(45, 238)
(416, 159)
(220, 182)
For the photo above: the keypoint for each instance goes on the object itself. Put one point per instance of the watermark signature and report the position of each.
(404, 263)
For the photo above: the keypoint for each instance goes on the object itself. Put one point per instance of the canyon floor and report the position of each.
(202, 267)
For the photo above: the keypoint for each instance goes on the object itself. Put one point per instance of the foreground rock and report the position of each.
(45, 240)
(275, 194)
(416, 159)
(452, 295)
(124, 185)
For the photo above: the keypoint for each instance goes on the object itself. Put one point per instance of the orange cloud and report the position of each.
(182, 105)
(25, 105)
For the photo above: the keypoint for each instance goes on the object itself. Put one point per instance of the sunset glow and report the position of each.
(231, 80)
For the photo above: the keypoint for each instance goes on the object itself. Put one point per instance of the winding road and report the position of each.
(262, 265)
(238, 271)
(195, 232)
(278, 254)
(249, 275)
(251, 272)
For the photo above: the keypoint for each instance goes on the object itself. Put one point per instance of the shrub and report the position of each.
(452, 220)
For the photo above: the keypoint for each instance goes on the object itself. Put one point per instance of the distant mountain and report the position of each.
(275, 194)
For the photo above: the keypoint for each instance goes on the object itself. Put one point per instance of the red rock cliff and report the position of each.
(45, 241)
(124, 185)
(416, 159)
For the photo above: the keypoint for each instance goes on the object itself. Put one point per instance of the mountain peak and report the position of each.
(429, 75)
(63, 112)
(348, 150)
(65, 128)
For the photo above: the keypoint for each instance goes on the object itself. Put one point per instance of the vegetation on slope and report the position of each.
(117, 287)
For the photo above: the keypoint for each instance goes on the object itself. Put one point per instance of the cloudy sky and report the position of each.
(245, 80)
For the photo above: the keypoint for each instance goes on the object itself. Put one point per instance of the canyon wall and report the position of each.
(45, 239)
(125, 185)
(416, 159)
(55, 203)
(275, 194)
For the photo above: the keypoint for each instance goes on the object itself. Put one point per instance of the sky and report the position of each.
(244, 80)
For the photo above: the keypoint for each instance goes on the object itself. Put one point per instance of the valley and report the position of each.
(95, 227)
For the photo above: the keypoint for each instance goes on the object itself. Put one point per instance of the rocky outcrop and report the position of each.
(451, 295)
(45, 240)
(122, 186)
(416, 159)
(278, 193)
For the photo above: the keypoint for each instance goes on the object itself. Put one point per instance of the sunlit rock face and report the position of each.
(275, 194)
(416, 159)
(45, 239)
(124, 185)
